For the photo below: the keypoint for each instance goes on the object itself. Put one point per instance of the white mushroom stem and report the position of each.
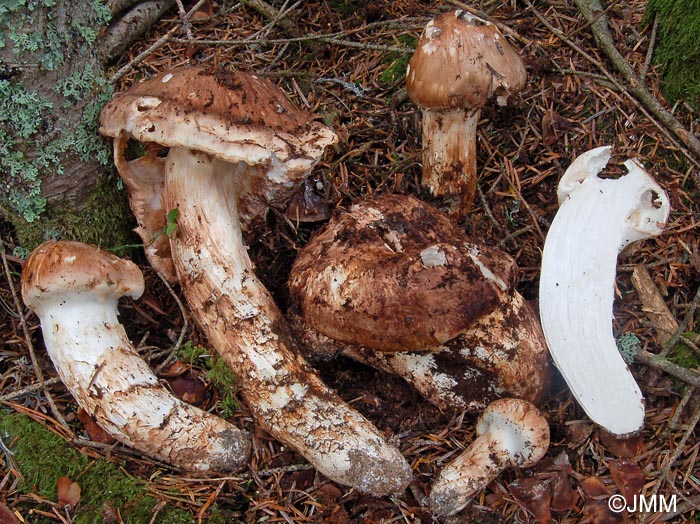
(597, 218)
(111, 382)
(511, 432)
(449, 153)
(244, 325)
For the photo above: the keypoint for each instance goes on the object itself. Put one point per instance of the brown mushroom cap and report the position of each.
(395, 274)
(462, 61)
(58, 268)
(234, 116)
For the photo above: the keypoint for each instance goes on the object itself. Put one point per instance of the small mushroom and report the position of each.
(597, 218)
(235, 144)
(511, 432)
(461, 62)
(395, 284)
(74, 288)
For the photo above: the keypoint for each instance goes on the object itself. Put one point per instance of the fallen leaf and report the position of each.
(96, 433)
(578, 433)
(175, 369)
(535, 496)
(306, 205)
(564, 496)
(622, 447)
(628, 477)
(7, 516)
(205, 10)
(190, 390)
(595, 508)
(68, 492)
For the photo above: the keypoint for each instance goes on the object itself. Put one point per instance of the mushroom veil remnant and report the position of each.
(394, 283)
(461, 62)
(235, 143)
(597, 218)
(74, 288)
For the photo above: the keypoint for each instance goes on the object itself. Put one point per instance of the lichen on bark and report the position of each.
(55, 167)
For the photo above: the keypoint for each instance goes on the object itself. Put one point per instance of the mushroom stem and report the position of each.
(467, 475)
(105, 374)
(242, 322)
(501, 354)
(449, 155)
(597, 218)
(511, 432)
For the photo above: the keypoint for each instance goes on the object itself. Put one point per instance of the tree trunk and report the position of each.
(56, 174)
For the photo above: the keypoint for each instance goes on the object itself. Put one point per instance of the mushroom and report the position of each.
(74, 288)
(511, 432)
(461, 62)
(395, 284)
(597, 218)
(238, 117)
(234, 142)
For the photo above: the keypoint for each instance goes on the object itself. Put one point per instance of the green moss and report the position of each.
(219, 374)
(43, 457)
(684, 356)
(105, 221)
(677, 48)
(397, 62)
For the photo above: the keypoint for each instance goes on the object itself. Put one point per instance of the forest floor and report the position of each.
(345, 61)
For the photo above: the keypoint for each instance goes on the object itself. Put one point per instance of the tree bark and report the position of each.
(55, 169)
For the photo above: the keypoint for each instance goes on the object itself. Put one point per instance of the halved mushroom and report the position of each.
(74, 288)
(597, 218)
(461, 62)
(235, 143)
(393, 283)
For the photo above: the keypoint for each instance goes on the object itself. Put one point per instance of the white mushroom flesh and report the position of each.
(597, 218)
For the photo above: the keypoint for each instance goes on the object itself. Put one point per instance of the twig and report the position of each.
(154, 46)
(28, 340)
(501, 26)
(657, 361)
(601, 32)
(307, 38)
(29, 389)
(680, 448)
(185, 324)
(615, 82)
(272, 14)
(186, 25)
(653, 305)
(515, 234)
(688, 394)
(683, 326)
(120, 34)
(487, 209)
(650, 50)
(143, 55)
